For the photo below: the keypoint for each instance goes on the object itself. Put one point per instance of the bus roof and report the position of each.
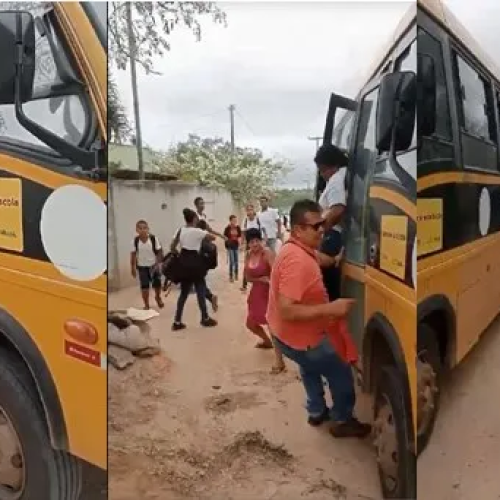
(445, 17)
(399, 32)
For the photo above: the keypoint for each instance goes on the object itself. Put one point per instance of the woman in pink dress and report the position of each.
(258, 264)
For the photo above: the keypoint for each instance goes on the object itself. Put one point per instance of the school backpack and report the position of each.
(209, 253)
(152, 238)
(246, 223)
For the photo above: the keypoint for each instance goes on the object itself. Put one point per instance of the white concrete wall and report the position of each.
(161, 205)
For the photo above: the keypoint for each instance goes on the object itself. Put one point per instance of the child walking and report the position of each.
(145, 260)
(232, 234)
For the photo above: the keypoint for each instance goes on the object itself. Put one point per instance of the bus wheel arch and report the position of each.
(16, 342)
(386, 377)
(438, 314)
(435, 354)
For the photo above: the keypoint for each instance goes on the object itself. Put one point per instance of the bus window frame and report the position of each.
(43, 155)
(456, 48)
(467, 58)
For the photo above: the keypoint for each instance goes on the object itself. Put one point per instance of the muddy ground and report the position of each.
(207, 420)
(462, 460)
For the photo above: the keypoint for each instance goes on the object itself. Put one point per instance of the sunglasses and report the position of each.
(316, 226)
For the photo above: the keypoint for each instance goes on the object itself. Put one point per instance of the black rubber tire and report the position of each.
(49, 474)
(428, 350)
(391, 389)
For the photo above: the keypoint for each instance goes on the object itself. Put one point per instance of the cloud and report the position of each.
(277, 62)
(482, 20)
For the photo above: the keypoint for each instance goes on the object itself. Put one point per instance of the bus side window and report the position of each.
(68, 116)
(429, 45)
(476, 111)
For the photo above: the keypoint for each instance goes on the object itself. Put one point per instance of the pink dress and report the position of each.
(259, 294)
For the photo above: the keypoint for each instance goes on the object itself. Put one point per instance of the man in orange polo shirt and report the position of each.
(304, 324)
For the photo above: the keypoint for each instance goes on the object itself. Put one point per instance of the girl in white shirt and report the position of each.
(189, 239)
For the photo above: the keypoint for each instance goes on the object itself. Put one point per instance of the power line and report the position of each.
(245, 123)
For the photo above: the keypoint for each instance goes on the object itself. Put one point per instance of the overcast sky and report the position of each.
(278, 63)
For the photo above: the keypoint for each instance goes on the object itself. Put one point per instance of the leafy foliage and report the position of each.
(285, 198)
(246, 174)
(119, 128)
(153, 22)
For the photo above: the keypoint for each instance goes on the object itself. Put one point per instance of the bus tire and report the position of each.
(395, 456)
(429, 372)
(46, 473)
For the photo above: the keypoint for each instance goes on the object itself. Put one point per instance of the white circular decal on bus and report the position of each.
(73, 228)
(484, 212)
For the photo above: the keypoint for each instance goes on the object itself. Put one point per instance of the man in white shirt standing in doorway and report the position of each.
(331, 162)
(270, 221)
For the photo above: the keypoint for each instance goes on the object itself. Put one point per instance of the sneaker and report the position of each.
(215, 303)
(316, 421)
(351, 428)
(178, 326)
(208, 322)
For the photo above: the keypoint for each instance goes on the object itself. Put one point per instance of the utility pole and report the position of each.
(316, 139)
(135, 94)
(231, 116)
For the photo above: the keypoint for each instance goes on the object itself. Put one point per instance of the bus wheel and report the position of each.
(396, 461)
(428, 377)
(29, 467)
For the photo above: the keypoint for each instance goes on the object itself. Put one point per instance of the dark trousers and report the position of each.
(201, 295)
(245, 282)
(332, 245)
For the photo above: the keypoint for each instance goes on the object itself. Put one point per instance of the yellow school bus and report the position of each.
(378, 131)
(458, 200)
(53, 378)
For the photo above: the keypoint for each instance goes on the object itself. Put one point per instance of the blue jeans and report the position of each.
(323, 361)
(201, 294)
(233, 261)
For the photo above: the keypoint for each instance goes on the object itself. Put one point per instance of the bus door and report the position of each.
(362, 153)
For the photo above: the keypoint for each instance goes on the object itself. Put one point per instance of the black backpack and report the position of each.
(209, 253)
(152, 238)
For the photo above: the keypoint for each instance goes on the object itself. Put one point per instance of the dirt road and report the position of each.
(208, 420)
(463, 457)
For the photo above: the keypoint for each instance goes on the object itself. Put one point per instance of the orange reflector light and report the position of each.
(81, 331)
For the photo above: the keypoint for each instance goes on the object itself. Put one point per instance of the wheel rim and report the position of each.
(386, 444)
(427, 391)
(11, 460)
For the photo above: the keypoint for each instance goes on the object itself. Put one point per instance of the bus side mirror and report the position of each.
(396, 109)
(17, 69)
(426, 95)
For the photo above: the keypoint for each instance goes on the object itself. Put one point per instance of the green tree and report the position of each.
(119, 128)
(285, 198)
(246, 174)
(153, 23)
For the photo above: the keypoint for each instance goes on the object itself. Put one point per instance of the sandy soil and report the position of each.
(462, 460)
(207, 420)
